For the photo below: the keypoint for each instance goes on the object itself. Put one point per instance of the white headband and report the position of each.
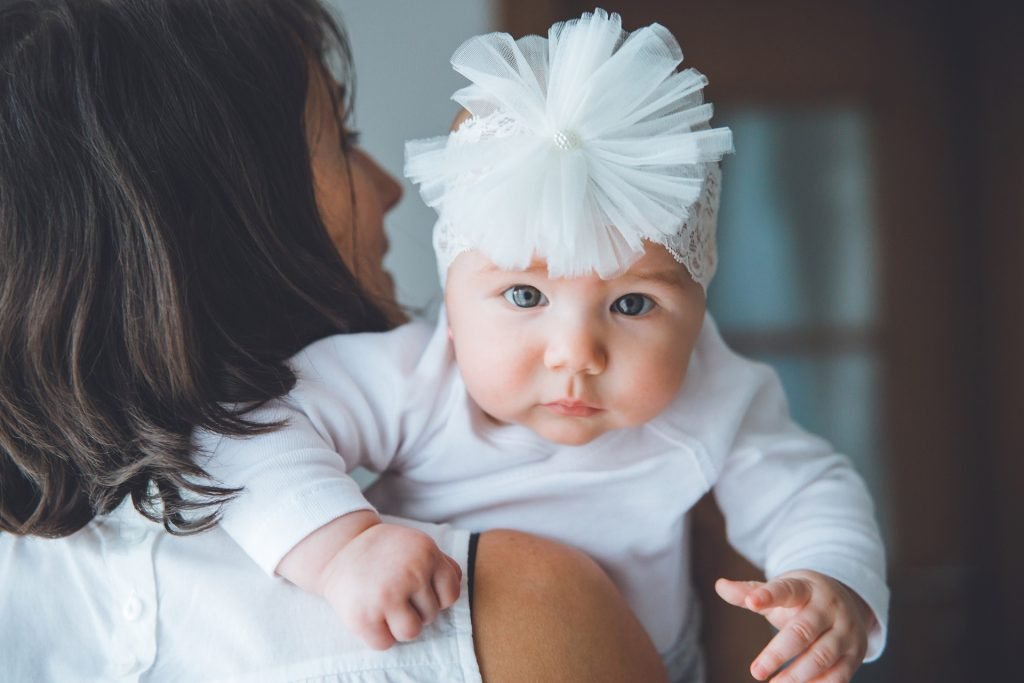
(580, 147)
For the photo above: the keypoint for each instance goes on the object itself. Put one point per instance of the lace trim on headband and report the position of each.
(695, 246)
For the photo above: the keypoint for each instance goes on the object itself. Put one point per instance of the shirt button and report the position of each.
(131, 610)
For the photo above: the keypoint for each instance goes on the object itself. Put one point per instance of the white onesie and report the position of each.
(394, 403)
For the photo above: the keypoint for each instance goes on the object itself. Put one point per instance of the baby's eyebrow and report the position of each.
(533, 268)
(672, 277)
(668, 276)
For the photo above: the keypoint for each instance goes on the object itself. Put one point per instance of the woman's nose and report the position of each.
(576, 350)
(389, 190)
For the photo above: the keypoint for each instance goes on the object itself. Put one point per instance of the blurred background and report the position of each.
(871, 240)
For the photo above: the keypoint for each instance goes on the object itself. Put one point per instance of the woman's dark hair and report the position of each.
(161, 252)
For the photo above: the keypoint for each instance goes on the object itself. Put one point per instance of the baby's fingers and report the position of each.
(426, 604)
(455, 566)
(780, 592)
(841, 672)
(736, 592)
(404, 622)
(374, 632)
(807, 670)
(796, 638)
(447, 582)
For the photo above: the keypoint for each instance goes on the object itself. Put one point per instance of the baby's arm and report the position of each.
(800, 511)
(300, 514)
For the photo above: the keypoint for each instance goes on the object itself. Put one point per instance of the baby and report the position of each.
(573, 387)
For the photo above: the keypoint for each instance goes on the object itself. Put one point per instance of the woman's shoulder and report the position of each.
(118, 598)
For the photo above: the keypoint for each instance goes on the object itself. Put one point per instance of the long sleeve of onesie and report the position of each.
(790, 502)
(340, 415)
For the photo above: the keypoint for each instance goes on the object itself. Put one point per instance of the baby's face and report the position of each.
(576, 357)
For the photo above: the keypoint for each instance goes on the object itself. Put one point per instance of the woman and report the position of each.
(171, 175)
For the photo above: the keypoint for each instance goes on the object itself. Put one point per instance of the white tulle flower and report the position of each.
(580, 147)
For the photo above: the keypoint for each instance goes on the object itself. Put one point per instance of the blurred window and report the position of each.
(796, 285)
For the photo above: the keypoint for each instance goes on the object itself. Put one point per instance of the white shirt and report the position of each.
(123, 600)
(395, 403)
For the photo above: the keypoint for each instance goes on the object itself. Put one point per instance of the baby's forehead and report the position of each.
(656, 264)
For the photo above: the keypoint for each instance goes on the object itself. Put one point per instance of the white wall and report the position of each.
(403, 86)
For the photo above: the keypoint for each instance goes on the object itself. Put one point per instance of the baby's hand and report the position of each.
(389, 582)
(823, 626)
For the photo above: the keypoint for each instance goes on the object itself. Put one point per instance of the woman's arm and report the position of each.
(545, 612)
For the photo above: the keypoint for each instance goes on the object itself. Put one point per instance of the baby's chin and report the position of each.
(562, 431)
(569, 431)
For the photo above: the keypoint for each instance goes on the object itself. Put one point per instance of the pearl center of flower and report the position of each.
(567, 140)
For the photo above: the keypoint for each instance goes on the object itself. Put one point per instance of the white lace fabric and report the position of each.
(580, 148)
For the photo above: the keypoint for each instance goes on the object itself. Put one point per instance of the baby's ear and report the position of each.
(459, 118)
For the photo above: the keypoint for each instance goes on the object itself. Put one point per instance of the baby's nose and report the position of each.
(577, 350)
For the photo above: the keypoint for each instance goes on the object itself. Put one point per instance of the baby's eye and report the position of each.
(633, 305)
(524, 296)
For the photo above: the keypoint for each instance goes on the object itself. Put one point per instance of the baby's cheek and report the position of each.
(653, 388)
(491, 385)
